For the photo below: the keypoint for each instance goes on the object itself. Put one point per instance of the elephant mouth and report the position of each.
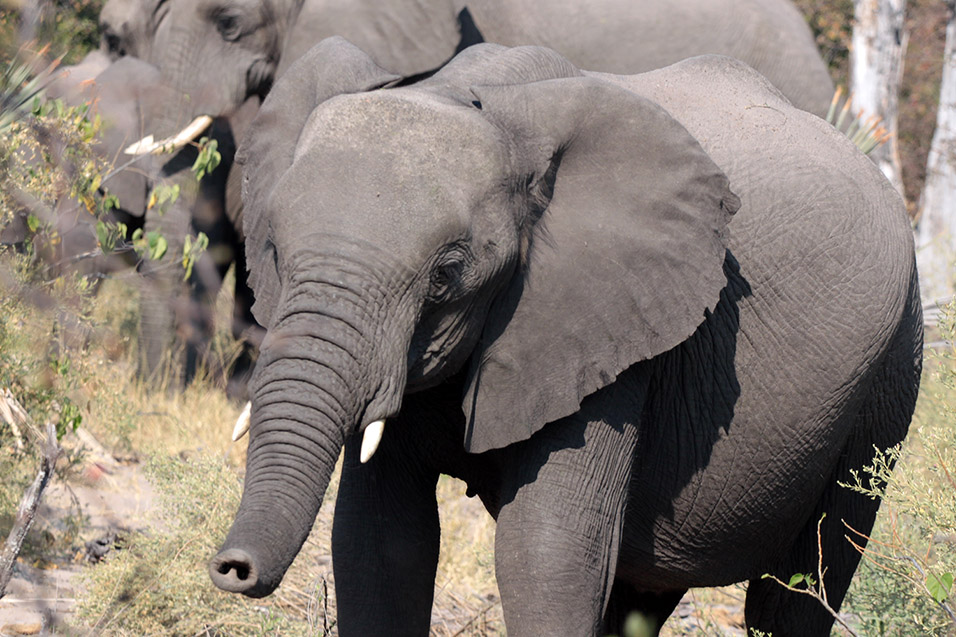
(148, 146)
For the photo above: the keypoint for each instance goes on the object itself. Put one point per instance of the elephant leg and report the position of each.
(881, 422)
(198, 323)
(560, 524)
(625, 600)
(385, 535)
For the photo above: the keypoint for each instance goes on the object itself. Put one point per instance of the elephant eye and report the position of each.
(445, 280)
(228, 26)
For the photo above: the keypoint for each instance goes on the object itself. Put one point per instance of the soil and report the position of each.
(104, 498)
(107, 497)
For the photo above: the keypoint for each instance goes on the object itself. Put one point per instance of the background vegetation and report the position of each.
(154, 581)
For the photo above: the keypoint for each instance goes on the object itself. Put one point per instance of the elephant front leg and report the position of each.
(560, 525)
(385, 538)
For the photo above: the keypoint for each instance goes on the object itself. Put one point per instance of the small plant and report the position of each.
(867, 133)
(904, 584)
(812, 584)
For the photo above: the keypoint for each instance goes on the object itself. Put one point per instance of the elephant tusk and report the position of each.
(370, 439)
(170, 144)
(242, 422)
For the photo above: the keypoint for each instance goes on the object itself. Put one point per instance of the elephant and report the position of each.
(223, 52)
(136, 28)
(123, 93)
(651, 320)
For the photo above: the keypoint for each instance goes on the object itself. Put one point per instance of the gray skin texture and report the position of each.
(650, 320)
(221, 52)
(139, 28)
(174, 316)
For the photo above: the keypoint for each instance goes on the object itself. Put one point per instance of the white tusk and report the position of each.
(141, 147)
(242, 422)
(370, 439)
(170, 144)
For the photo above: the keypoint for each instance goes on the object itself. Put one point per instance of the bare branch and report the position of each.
(28, 508)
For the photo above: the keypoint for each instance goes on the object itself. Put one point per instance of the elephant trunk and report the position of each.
(313, 387)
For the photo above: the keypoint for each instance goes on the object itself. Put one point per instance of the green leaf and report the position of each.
(796, 579)
(157, 245)
(208, 158)
(103, 237)
(939, 586)
(33, 222)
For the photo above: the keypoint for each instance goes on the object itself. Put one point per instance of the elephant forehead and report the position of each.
(415, 132)
(410, 170)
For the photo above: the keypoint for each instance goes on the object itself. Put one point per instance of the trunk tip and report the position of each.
(234, 570)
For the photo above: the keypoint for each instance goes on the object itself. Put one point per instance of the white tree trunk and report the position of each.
(936, 232)
(876, 68)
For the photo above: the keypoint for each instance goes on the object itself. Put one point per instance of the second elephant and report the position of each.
(176, 316)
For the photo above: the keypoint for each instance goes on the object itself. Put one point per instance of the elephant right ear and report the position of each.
(332, 67)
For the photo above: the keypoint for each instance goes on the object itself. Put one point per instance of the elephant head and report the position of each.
(128, 27)
(397, 237)
(221, 53)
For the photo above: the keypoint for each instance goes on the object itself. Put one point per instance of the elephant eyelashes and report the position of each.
(444, 279)
(228, 26)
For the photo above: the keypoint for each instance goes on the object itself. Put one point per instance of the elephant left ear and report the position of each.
(624, 261)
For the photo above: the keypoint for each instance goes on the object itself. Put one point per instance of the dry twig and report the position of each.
(28, 508)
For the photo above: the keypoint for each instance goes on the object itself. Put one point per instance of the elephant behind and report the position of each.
(174, 316)
(223, 53)
(652, 321)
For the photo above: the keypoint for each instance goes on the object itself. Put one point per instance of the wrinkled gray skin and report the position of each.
(139, 28)
(221, 52)
(225, 54)
(124, 93)
(538, 279)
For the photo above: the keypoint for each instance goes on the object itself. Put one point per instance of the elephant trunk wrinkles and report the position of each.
(309, 393)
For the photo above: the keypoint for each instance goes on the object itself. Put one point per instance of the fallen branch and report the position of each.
(28, 508)
(14, 415)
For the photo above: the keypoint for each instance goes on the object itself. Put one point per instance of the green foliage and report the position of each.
(19, 88)
(162, 197)
(207, 159)
(41, 381)
(867, 133)
(68, 27)
(159, 585)
(905, 582)
(192, 250)
(149, 245)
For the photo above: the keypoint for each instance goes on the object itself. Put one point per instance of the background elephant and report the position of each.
(222, 53)
(537, 277)
(176, 316)
(133, 28)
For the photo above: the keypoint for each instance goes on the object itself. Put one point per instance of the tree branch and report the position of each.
(28, 508)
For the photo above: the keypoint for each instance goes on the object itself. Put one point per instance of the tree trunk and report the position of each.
(876, 68)
(936, 232)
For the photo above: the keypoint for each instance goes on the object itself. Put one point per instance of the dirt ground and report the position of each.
(112, 495)
(106, 496)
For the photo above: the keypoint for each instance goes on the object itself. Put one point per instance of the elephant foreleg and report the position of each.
(385, 537)
(561, 519)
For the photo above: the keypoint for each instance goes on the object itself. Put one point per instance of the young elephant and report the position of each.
(652, 321)
(173, 314)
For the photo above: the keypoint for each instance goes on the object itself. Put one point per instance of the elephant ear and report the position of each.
(622, 263)
(332, 67)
